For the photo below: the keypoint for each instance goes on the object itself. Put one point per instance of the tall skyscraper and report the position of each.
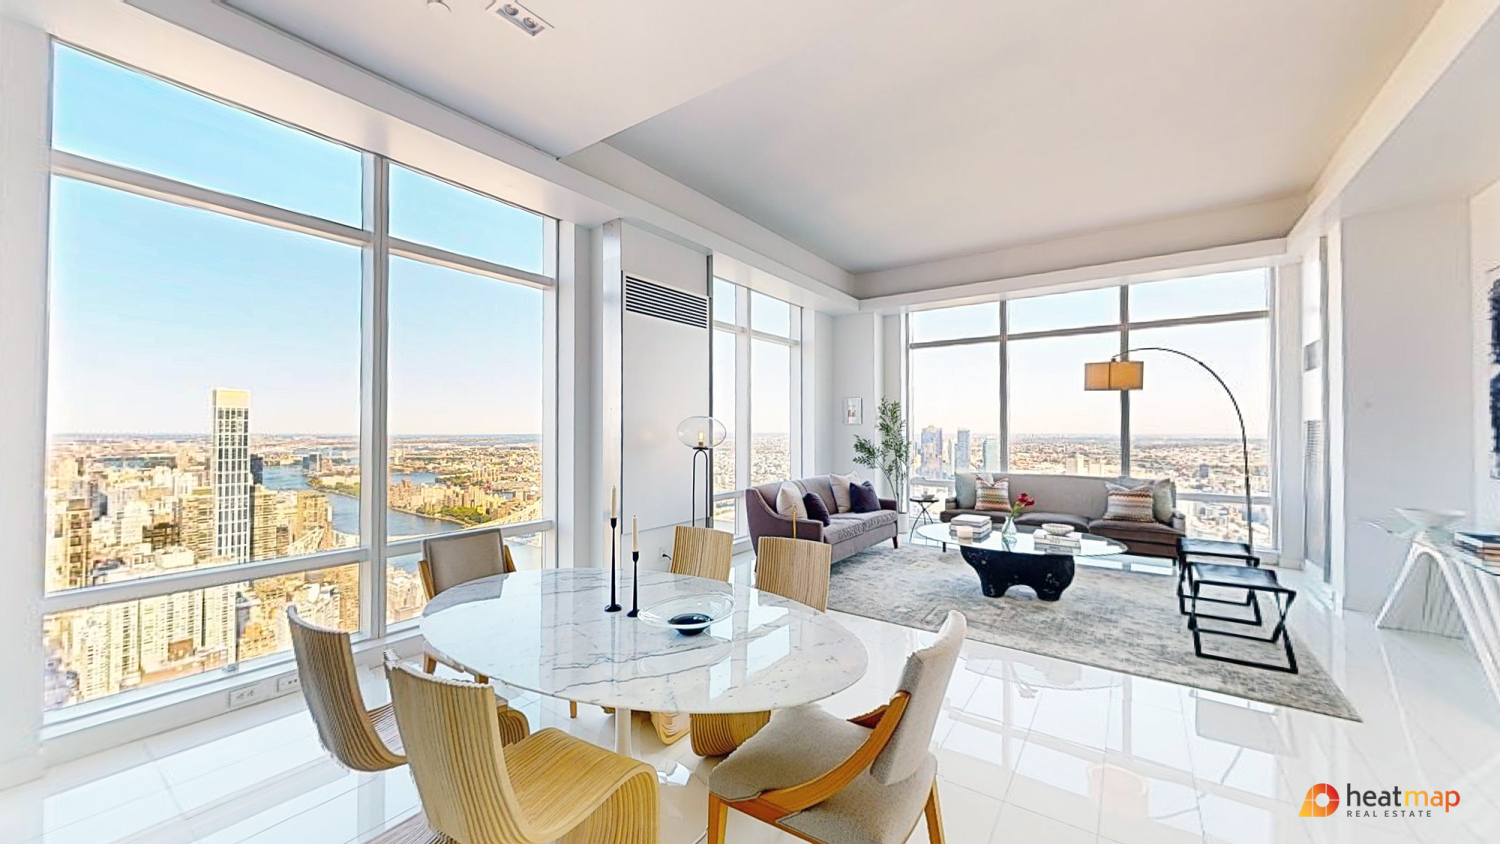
(962, 462)
(991, 454)
(229, 470)
(931, 453)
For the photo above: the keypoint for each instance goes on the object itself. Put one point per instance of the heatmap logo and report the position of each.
(1311, 808)
(1322, 801)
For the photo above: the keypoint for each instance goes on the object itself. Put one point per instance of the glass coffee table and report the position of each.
(1019, 560)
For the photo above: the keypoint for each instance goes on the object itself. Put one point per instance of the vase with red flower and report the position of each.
(1017, 507)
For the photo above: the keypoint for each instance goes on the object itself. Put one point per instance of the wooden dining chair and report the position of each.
(548, 786)
(867, 780)
(696, 552)
(360, 739)
(449, 561)
(792, 568)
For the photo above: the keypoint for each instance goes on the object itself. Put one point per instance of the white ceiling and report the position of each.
(881, 133)
(979, 124)
(605, 66)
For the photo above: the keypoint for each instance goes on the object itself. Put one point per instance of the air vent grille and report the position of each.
(648, 299)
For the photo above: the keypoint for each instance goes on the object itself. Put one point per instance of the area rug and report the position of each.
(1123, 621)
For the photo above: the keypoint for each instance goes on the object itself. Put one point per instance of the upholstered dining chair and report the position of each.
(449, 561)
(867, 780)
(547, 786)
(697, 552)
(360, 739)
(792, 568)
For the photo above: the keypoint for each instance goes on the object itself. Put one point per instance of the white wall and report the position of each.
(827, 416)
(24, 73)
(664, 379)
(1407, 385)
(858, 372)
(1484, 243)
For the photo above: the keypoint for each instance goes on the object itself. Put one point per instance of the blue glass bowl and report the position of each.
(690, 615)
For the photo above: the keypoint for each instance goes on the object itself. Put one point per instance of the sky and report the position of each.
(154, 305)
(958, 386)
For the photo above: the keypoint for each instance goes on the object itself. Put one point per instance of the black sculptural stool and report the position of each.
(1048, 574)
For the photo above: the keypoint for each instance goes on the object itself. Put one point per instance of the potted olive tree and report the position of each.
(891, 453)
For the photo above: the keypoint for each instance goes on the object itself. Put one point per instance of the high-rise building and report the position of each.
(268, 538)
(77, 536)
(930, 449)
(991, 454)
(229, 471)
(197, 524)
(962, 462)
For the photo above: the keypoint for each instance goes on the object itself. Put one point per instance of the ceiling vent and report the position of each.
(648, 299)
(524, 19)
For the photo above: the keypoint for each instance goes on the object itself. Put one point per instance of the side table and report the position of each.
(924, 517)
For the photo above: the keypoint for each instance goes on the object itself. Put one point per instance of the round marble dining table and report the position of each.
(547, 632)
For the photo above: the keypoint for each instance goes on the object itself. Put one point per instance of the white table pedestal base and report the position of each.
(682, 793)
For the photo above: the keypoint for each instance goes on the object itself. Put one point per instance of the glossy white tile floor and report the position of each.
(1030, 749)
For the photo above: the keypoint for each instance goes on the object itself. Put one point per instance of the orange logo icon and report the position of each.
(1310, 806)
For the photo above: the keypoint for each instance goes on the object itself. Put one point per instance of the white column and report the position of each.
(25, 68)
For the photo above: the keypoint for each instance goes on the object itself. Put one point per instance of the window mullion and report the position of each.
(374, 381)
(1124, 394)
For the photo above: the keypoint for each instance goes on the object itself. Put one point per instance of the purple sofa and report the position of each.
(849, 534)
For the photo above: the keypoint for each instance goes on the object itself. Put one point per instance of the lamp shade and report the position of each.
(1114, 375)
(701, 432)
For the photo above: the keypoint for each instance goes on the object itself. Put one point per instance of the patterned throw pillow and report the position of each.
(1130, 505)
(992, 496)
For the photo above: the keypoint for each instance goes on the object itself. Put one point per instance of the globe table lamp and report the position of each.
(702, 434)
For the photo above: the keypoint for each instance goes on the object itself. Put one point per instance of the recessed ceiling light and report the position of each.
(525, 20)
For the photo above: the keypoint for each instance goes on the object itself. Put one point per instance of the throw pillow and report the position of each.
(863, 498)
(789, 501)
(1129, 505)
(1163, 492)
(964, 488)
(813, 502)
(992, 496)
(840, 484)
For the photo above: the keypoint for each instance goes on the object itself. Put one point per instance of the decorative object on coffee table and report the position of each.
(1017, 507)
(1019, 560)
(1125, 375)
(702, 434)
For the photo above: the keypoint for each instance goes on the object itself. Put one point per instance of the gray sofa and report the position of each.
(1081, 501)
(849, 534)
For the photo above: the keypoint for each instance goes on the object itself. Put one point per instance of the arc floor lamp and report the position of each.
(1123, 375)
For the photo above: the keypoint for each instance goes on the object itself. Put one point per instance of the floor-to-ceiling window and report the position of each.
(999, 386)
(757, 377)
(275, 363)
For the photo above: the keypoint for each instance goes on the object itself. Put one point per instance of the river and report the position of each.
(345, 508)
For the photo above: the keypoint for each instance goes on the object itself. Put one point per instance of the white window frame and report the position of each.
(742, 332)
(375, 549)
(1123, 327)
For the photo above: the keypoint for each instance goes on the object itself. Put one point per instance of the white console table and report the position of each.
(1445, 590)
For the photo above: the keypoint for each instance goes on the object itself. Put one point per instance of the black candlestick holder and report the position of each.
(635, 585)
(614, 605)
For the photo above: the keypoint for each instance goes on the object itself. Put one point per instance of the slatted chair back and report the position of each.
(794, 568)
(453, 743)
(448, 561)
(325, 668)
(702, 552)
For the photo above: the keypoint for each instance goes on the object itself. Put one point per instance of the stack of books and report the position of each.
(1048, 543)
(1485, 546)
(969, 528)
